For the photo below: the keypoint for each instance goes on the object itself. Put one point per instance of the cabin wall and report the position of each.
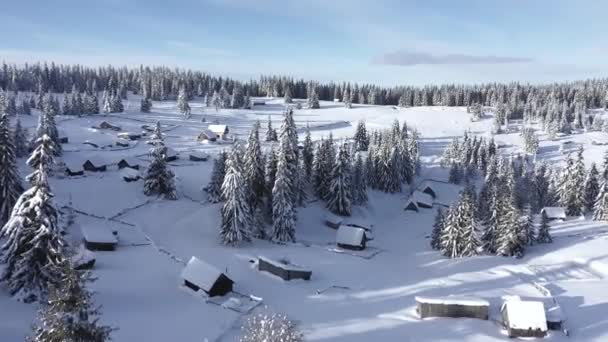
(452, 310)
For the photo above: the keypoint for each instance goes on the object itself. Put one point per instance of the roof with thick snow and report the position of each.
(171, 152)
(359, 223)
(422, 198)
(97, 160)
(98, 234)
(200, 273)
(453, 300)
(351, 236)
(129, 173)
(445, 193)
(335, 219)
(526, 314)
(218, 129)
(199, 154)
(554, 212)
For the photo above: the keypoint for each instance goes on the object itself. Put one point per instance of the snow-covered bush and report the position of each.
(270, 327)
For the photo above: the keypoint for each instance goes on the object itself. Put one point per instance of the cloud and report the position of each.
(409, 58)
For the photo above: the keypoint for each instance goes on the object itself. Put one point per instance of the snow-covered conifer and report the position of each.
(339, 196)
(237, 216)
(283, 210)
(592, 188)
(159, 179)
(544, 236)
(271, 133)
(361, 138)
(307, 153)
(214, 188)
(253, 171)
(359, 181)
(20, 139)
(10, 184)
(437, 230)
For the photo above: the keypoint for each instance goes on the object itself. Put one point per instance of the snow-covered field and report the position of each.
(373, 299)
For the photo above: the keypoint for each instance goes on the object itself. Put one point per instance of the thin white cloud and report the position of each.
(409, 58)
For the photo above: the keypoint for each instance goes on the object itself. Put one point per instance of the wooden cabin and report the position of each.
(198, 275)
(130, 175)
(554, 213)
(351, 238)
(95, 164)
(524, 318)
(221, 131)
(128, 162)
(99, 238)
(74, 169)
(129, 135)
(361, 223)
(454, 307)
(283, 269)
(206, 134)
(333, 221)
(107, 125)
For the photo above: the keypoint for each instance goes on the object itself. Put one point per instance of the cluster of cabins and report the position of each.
(520, 318)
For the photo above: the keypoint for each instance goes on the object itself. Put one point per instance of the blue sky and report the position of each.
(383, 41)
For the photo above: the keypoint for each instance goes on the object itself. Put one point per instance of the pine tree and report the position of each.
(592, 188)
(451, 236)
(237, 216)
(543, 230)
(20, 139)
(308, 154)
(437, 230)
(66, 107)
(271, 133)
(456, 174)
(145, 105)
(270, 171)
(70, 314)
(25, 108)
(339, 196)
(572, 192)
(359, 181)
(600, 210)
(313, 100)
(33, 248)
(10, 185)
(361, 138)
(182, 103)
(159, 179)
(527, 221)
(214, 188)
(510, 240)
(255, 180)
(287, 97)
(283, 211)
(42, 156)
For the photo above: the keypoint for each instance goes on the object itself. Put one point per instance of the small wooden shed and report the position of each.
(130, 175)
(524, 318)
(171, 155)
(351, 238)
(129, 135)
(554, 213)
(206, 134)
(333, 221)
(107, 125)
(95, 164)
(221, 131)
(198, 156)
(99, 238)
(73, 169)
(454, 307)
(198, 275)
(417, 200)
(128, 162)
(361, 223)
(283, 269)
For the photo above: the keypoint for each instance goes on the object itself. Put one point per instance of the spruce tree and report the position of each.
(313, 100)
(361, 138)
(20, 139)
(600, 210)
(42, 156)
(145, 105)
(214, 188)
(254, 169)
(33, 248)
(592, 188)
(359, 181)
(270, 171)
(451, 235)
(237, 217)
(308, 154)
(437, 230)
(283, 210)
(182, 103)
(287, 97)
(339, 196)
(10, 184)
(271, 133)
(543, 230)
(70, 314)
(159, 179)
(456, 174)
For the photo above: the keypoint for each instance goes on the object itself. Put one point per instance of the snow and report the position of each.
(199, 154)
(217, 129)
(200, 273)
(554, 212)
(351, 236)
(98, 234)
(445, 193)
(97, 160)
(129, 174)
(526, 314)
(453, 300)
(374, 299)
(280, 264)
(171, 152)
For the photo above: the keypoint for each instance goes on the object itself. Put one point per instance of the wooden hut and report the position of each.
(129, 175)
(333, 221)
(221, 131)
(351, 238)
(99, 238)
(95, 164)
(129, 135)
(198, 156)
(198, 275)
(171, 155)
(417, 200)
(554, 213)
(524, 318)
(455, 307)
(128, 162)
(283, 269)
(107, 125)
(73, 169)
(361, 223)
(410, 204)
(206, 134)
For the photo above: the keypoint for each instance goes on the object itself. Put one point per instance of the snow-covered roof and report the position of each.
(199, 154)
(279, 264)
(409, 202)
(171, 152)
(129, 173)
(130, 160)
(422, 198)
(351, 236)
(74, 165)
(98, 234)
(219, 129)
(526, 314)
(200, 273)
(329, 217)
(82, 256)
(554, 212)
(453, 300)
(96, 159)
(445, 193)
(208, 133)
(128, 134)
(359, 223)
